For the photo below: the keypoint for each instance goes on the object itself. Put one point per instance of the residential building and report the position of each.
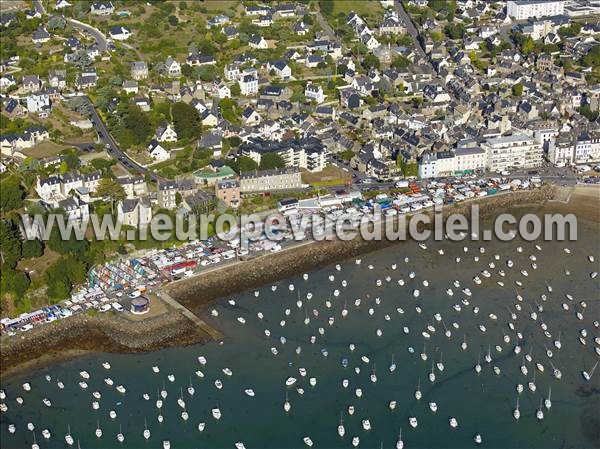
(514, 151)
(228, 191)
(172, 67)
(525, 9)
(139, 70)
(135, 212)
(157, 151)
(308, 153)
(134, 186)
(258, 42)
(248, 85)
(314, 92)
(165, 133)
(102, 8)
(166, 194)
(119, 33)
(270, 180)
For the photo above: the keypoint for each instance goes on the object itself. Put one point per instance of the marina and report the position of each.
(305, 379)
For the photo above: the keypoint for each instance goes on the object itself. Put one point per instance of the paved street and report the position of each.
(112, 148)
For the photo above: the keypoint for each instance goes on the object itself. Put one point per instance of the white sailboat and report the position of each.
(588, 376)
(68, 438)
(98, 430)
(341, 430)
(146, 430)
(399, 442)
(120, 436)
(516, 411)
(548, 400)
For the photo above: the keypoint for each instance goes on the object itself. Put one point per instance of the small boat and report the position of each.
(453, 423)
(216, 413)
(355, 441)
(106, 365)
(68, 438)
(120, 436)
(155, 369)
(433, 407)
(308, 441)
(413, 422)
(249, 392)
(201, 426)
(146, 430)
(366, 424)
(84, 374)
(341, 429)
(46, 434)
(477, 439)
(588, 376)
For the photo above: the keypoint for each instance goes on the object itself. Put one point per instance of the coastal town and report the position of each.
(310, 107)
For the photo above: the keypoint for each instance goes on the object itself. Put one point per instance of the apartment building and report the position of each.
(514, 151)
(270, 180)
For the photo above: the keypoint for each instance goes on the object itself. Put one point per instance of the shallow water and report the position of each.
(481, 403)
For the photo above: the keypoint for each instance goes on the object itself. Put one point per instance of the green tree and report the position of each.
(517, 90)
(111, 189)
(245, 164)
(587, 112)
(10, 245)
(15, 282)
(400, 62)
(371, 61)
(138, 123)
(11, 194)
(32, 248)
(186, 121)
(235, 90)
(270, 161)
(62, 275)
(592, 58)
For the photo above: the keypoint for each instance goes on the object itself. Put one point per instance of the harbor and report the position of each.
(492, 342)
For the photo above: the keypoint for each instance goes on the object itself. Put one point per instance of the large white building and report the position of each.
(309, 153)
(525, 9)
(515, 151)
(444, 163)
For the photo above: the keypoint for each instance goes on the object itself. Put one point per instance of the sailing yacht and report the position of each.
(68, 438)
(341, 430)
(34, 445)
(432, 374)
(120, 436)
(418, 393)
(399, 442)
(286, 405)
(540, 413)
(146, 430)
(98, 430)
(588, 376)
(548, 400)
(516, 411)
(392, 365)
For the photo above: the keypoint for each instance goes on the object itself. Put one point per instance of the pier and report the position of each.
(211, 331)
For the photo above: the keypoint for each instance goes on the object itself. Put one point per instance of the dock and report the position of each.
(211, 331)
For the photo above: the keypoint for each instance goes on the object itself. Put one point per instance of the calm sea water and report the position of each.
(481, 403)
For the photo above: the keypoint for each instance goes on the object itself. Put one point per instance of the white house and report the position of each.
(61, 4)
(221, 90)
(314, 92)
(119, 33)
(231, 72)
(38, 103)
(248, 85)
(157, 151)
(251, 117)
(258, 42)
(134, 212)
(172, 67)
(164, 133)
(280, 68)
(102, 8)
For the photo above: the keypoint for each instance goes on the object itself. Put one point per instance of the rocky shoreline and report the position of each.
(99, 333)
(109, 333)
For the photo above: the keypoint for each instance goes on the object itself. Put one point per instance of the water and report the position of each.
(481, 403)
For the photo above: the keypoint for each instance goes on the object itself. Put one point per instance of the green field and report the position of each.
(362, 8)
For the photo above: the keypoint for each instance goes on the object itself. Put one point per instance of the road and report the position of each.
(405, 18)
(112, 148)
(98, 36)
(324, 24)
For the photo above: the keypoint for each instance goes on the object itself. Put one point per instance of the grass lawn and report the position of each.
(44, 149)
(330, 176)
(361, 7)
(220, 5)
(38, 266)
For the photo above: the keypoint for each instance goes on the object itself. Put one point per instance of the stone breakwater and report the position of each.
(200, 291)
(110, 333)
(99, 333)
